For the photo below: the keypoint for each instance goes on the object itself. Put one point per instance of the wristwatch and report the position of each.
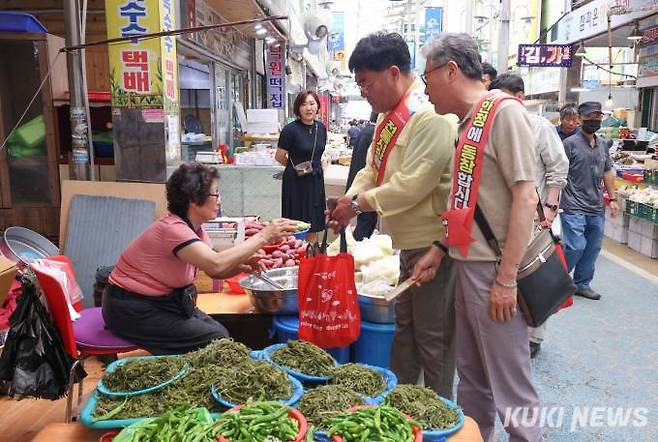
(553, 207)
(355, 205)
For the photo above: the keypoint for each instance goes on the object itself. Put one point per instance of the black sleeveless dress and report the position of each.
(303, 198)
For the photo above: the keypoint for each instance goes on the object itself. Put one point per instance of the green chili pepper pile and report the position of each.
(327, 401)
(142, 373)
(360, 379)
(373, 424)
(258, 421)
(253, 380)
(191, 425)
(422, 404)
(305, 358)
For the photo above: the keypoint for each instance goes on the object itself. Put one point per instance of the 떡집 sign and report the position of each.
(276, 80)
(143, 73)
(560, 56)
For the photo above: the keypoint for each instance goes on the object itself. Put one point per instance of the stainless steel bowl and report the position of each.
(376, 309)
(24, 246)
(267, 299)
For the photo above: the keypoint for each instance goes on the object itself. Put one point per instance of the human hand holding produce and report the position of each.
(275, 230)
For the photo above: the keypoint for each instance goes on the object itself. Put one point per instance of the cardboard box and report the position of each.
(8, 272)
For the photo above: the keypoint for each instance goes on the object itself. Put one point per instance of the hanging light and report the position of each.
(261, 31)
(581, 52)
(609, 103)
(258, 26)
(635, 33)
(270, 40)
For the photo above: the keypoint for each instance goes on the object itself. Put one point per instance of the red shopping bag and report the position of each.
(329, 314)
(560, 253)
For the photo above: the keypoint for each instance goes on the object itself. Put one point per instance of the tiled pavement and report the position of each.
(603, 354)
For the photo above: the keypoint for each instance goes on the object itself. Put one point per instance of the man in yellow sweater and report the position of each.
(406, 180)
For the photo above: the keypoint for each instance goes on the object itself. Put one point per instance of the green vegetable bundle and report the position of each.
(253, 380)
(224, 352)
(373, 424)
(327, 401)
(191, 425)
(140, 374)
(360, 379)
(305, 358)
(258, 421)
(423, 405)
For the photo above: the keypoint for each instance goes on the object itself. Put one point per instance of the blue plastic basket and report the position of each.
(374, 344)
(12, 21)
(87, 419)
(301, 235)
(442, 435)
(267, 356)
(116, 364)
(297, 393)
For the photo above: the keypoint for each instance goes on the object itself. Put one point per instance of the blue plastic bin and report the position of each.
(12, 21)
(374, 344)
(286, 327)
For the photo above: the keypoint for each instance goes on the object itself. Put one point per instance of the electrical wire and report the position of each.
(610, 71)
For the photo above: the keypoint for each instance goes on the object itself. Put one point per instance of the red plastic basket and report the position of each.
(292, 413)
(632, 177)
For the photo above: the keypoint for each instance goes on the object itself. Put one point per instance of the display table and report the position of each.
(76, 432)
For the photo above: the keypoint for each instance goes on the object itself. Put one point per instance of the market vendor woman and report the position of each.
(149, 300)
(300, 148)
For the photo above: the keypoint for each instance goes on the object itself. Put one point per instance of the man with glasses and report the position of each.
(495, 171)
(406, 180)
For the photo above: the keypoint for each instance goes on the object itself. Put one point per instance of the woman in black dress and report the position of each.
(300, 148)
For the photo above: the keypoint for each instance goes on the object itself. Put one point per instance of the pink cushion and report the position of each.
(91, 333)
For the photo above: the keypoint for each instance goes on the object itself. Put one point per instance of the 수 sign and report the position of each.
(559, 56)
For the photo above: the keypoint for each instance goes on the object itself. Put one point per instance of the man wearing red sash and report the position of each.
(494, 167)
(406, 181)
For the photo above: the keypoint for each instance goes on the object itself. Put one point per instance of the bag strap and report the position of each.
(488, 234)
(315, 143)
(343, 241)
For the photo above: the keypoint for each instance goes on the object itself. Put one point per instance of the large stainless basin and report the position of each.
(267, 299)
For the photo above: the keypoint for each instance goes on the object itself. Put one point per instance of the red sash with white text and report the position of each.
(387, 135)
(469, 156)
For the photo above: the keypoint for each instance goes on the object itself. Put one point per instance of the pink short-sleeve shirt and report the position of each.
(149, 265)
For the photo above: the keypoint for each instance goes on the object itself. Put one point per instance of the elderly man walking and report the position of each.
(494, 176)
(552, 170)
(406, 181)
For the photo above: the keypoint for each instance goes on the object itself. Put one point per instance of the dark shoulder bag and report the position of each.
(543, 282)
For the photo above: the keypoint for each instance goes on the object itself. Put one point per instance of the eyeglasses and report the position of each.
(423, 76)
(363, 86)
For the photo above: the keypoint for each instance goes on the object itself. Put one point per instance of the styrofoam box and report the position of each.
(649, 247)
(635, 225)
(635, 241)
(649, 230)
(617, 233)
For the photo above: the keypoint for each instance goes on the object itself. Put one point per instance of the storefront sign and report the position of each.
(540, 80)
(592, 19)
(433, 22)
(648, 58)
(649, 37)
(336, 39)
(137, 66)
(276, 80)
(560, 56)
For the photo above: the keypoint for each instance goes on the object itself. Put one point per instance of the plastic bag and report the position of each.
(329, 314)
(65, 277)
(33, 361)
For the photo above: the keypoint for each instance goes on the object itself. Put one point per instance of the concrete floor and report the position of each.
(604, 354)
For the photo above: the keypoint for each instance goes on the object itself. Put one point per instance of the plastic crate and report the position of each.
(635, 178)
(651, 214)
(633, 207)
(11, 21)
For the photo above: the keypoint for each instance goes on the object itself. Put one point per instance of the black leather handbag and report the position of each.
(543, 282)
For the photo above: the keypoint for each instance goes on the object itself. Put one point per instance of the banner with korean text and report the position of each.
(143, 72)
(276, 78)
